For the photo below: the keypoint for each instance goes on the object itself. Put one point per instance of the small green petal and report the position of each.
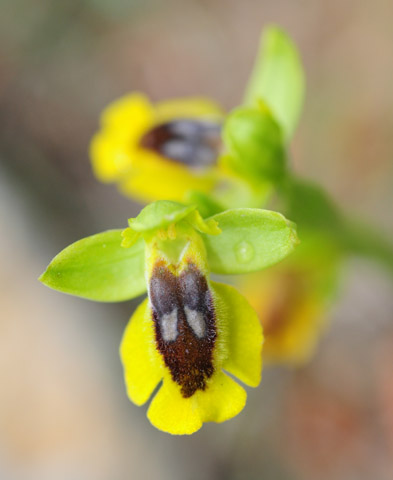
(209, 227)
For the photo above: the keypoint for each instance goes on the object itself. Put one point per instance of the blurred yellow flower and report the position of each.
(292, 301)
(158, 151)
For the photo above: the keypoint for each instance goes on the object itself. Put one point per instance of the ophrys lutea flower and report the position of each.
(169, 150)
(293, 300)
(158, 151)
(190, 330)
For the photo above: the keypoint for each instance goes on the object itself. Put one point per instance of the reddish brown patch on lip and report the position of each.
(188, 356)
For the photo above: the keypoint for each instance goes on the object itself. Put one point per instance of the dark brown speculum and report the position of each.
(192, 142)
(185, 326)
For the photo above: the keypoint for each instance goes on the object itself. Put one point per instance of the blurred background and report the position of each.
(64, 413)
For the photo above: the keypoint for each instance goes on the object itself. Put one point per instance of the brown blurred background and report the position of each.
(63, 407)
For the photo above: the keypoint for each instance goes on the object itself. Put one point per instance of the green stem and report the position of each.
(363, 240)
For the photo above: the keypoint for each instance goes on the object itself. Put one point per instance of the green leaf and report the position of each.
(363, 240)
(98, 268)
(278, 79)
(255, 144)
(251, 239)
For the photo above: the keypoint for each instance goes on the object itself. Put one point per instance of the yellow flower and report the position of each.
(190, 332)
(292, 301)
(158, 151)
(186, 334)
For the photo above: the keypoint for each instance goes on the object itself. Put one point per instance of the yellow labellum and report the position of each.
(187, 334)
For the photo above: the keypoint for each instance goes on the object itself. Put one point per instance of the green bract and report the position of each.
(278, 79)
(98, 268)
(255, 143)
(251, 239)
(236, 241)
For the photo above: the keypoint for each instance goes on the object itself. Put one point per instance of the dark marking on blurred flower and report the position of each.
(195, 143)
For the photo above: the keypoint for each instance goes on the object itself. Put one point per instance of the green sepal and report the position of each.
(98, 268)
(278, 79)
(159, 215)
(251, 239)
(162, 215)
(255, 144)
(208, 226)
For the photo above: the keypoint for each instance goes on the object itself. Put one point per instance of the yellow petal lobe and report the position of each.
(129, 115)
(141, 361)
(170, 412)
(244, 337)
(156, 178)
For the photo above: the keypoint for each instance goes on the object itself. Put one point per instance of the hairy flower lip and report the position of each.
(238, 352)
(186, 333)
